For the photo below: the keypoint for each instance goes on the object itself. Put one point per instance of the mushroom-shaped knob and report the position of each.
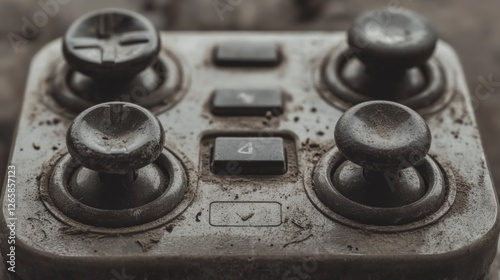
(380, 140)
(382, 136)
(115, 138)
(392, 40)
(111, 44)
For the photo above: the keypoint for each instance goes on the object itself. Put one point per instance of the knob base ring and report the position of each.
(168, 88)
(435, 203)
(338, 58)
(69, 207)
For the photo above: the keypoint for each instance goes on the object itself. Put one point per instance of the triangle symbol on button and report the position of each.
(247, 149)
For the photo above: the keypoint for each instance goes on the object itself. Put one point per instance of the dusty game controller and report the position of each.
(249, 155)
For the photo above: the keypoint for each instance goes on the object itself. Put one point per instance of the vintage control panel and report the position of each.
(291, 155)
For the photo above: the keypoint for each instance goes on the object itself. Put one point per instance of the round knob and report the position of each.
(115, 138)
(392, 39)
(382, 136)
(111, 44)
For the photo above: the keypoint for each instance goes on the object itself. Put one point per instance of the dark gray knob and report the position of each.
(392, 40)
(115, 138)
(382, 136)
(111, 44)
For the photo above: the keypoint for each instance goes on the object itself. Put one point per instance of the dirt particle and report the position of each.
(169, 228)
(247, 217)
(297, 241)
(36, 146)
(320, 133)
(314, 145)
(198, 217)
(147, 244)
(306, 142)
(314, 110)
(298, 225)
(296, 119)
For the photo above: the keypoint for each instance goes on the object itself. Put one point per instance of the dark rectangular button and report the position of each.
(250, 102)
(247, 54)
(249, 156)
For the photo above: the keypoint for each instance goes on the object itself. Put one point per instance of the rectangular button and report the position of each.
(245, 214)
(247, 102)
(249, 156)
(247, 54)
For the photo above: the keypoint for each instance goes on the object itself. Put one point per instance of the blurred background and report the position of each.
(471, 27)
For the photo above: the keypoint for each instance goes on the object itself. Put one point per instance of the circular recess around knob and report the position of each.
(111, 44)
(114, 55)
(379, 172)
(117, 172)
(388, 57)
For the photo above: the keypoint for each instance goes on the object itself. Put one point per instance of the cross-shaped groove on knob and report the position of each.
(111, 44)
